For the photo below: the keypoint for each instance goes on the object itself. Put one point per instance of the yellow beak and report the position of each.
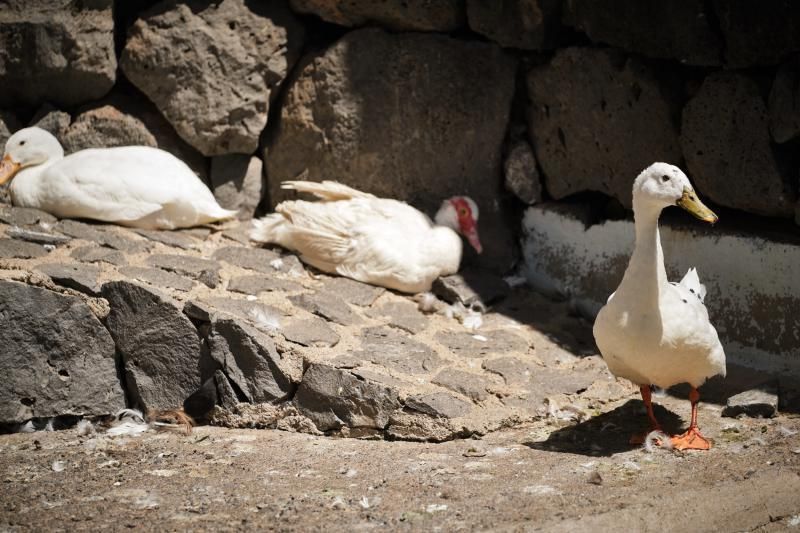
(692, 204)
(7, 169)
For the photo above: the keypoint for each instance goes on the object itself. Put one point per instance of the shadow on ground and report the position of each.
(608, 433)
(568, 329)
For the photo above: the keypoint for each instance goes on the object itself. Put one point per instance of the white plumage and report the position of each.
(379, 241)
(136, 186)
(652, 331)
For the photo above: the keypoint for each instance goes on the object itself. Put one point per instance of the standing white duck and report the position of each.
(136, 186)
(375, 240)
(651, 331)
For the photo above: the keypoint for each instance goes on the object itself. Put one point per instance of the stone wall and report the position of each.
(510, 101)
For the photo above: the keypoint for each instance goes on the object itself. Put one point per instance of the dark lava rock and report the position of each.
(310, 332)
(82, 278)
(108, 236)
(205, 271)
(14, 249)
(229, 65)
(238, 182)
(472, 345)
(159, 345)
(403, 315)
(756, 403)
(57, 51)
(471, 287)
(521, 175)
(255, 284)
(93, 254)
(726, 142)
(208, 308)
(248, 357)
(170, 238)
(39, 237)
(24, 216)
(56, 357)
(758, 33)
(784, 103)
(470, 385)
(327, 305)
(683, 29)
(597, 118)
(214, 391)
(526, 24)
(257, 259)
(158, 277)
(383, 346)
(438, 404)
(333, 398)
(352, 291)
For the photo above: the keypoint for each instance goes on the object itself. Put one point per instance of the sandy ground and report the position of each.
(546, 476)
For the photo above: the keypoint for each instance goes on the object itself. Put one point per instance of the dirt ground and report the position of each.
(545, 476)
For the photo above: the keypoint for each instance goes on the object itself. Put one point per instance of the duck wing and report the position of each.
(370, 239)
(326, 190)
(123, 184)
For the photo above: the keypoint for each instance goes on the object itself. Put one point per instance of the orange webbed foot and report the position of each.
(691, 440)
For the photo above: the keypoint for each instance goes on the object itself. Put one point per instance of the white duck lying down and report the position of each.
(136, 186)
(652, 331)
(370, 239)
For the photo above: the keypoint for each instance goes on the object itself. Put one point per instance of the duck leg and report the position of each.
(692, 439)
(638, 438)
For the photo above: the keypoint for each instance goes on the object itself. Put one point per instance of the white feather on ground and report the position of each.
(264, 320)
(657, 439)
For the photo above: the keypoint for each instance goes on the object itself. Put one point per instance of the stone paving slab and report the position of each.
(329, 354)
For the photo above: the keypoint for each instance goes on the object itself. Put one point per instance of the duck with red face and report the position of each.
(375, 240)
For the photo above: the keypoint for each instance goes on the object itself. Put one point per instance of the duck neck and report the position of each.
(646, 274)
(23, 188)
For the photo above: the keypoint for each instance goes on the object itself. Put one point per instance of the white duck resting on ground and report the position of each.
(375, 240)
(137, 186)
(651, 331)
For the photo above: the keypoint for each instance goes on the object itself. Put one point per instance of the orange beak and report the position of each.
(7, 169)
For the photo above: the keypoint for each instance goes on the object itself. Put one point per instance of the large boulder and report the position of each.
(681, 29)
(758, 33)
(597, 118)
(52, 119)
(118, 120)
(417, 117)
(526, 24)
(251, 361)
(784, 103)
(159, 345)
(8, 125)
(105, 127)
(399, 15)
(334, 398)
(725, 139)
(56, 357)
(238, 183)
(56, 50)
(520, 173)
(213, 69)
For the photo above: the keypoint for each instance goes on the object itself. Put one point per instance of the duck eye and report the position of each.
(462, 211)
(22, 142)
(664, 178)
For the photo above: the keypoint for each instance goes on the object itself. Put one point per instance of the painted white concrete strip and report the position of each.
(753, 283)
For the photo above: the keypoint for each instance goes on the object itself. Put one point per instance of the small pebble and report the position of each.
(473, 451)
